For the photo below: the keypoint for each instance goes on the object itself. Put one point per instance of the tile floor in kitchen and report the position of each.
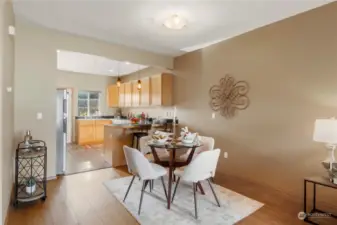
(85, 158)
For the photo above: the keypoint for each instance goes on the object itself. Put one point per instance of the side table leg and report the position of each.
(314, 198)
(305, 197)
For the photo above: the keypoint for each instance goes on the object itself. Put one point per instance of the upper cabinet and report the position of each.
(155, 91)
(135, 95)
(161, 90)
(145, 93)
(122, 95)
(128, 94)
(113, 96)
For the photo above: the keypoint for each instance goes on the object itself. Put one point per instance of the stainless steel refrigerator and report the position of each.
(61, 130)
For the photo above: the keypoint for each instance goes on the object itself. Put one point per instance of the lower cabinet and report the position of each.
(90, 131)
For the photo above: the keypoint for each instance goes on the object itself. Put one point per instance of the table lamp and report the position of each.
(326, 131)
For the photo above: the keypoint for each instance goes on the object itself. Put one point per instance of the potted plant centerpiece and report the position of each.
(31, 185)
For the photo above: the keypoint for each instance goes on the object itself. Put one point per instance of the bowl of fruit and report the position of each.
(134, 120)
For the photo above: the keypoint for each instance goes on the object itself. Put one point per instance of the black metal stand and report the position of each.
(30, 172)
(315, 182)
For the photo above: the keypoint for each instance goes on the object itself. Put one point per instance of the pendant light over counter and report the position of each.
(119, 81)
(139, 82)
(139, 85)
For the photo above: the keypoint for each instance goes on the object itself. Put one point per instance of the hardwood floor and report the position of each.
(82, 199)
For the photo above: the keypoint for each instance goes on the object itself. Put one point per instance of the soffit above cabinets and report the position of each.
(93, 64)
(139, 23)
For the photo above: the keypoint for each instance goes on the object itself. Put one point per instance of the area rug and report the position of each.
(234, 206)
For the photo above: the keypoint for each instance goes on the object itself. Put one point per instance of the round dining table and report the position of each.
(172, 164)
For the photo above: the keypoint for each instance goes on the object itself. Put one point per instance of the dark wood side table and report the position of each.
(323, 181)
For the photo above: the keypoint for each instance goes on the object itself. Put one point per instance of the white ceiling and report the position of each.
(93, 64)
(138, 23)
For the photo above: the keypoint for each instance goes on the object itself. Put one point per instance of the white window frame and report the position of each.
(88, 102)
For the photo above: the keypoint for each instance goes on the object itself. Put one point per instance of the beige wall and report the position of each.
(7, 108)
(36, 76)
(163, 112)
(85, 82)
(292, 72)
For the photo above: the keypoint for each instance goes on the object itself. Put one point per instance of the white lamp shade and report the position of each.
(326, 131)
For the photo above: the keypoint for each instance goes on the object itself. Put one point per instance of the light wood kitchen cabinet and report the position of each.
(99, 130)
(113, 96)
(155, 91)
(122, 95)
(161, 90)
(128, 94)
(145, 92)
(135, 94)
(90, 131)
(85, 131)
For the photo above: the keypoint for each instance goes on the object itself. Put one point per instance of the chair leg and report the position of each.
(216, 198)
(147, 182)
(127, 192)
(173, 175)
(137, 143)
(132, 143)
(141, 195)
(151, 185)
(175, 189)
(164, 187)
(195, 200)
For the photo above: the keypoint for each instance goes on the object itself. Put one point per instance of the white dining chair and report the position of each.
(139, 166)
(201, 168)
(145, 149)
(207, 144)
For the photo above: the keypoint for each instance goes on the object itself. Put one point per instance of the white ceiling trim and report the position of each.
(93, 64)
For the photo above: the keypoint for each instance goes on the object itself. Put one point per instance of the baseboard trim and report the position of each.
(52, 178)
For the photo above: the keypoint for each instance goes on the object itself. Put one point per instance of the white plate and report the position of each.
(161, 141)
(187, 141)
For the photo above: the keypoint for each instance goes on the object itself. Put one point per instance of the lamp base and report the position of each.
(332, 172)
(330, 163)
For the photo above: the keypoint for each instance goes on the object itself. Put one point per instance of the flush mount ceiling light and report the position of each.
(175, 22)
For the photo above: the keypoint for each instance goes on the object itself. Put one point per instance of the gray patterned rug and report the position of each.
(234, 206)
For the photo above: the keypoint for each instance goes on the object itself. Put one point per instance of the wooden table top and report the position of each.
(325, 181)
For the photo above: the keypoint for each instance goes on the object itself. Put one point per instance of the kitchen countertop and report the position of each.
(128, 125)
(97, 117)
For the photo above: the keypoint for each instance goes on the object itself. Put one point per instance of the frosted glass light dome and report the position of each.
(175, 22)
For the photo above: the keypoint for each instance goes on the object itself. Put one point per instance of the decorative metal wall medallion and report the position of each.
(229, 96)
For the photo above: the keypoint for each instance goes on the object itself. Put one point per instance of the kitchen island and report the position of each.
(115, 137)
